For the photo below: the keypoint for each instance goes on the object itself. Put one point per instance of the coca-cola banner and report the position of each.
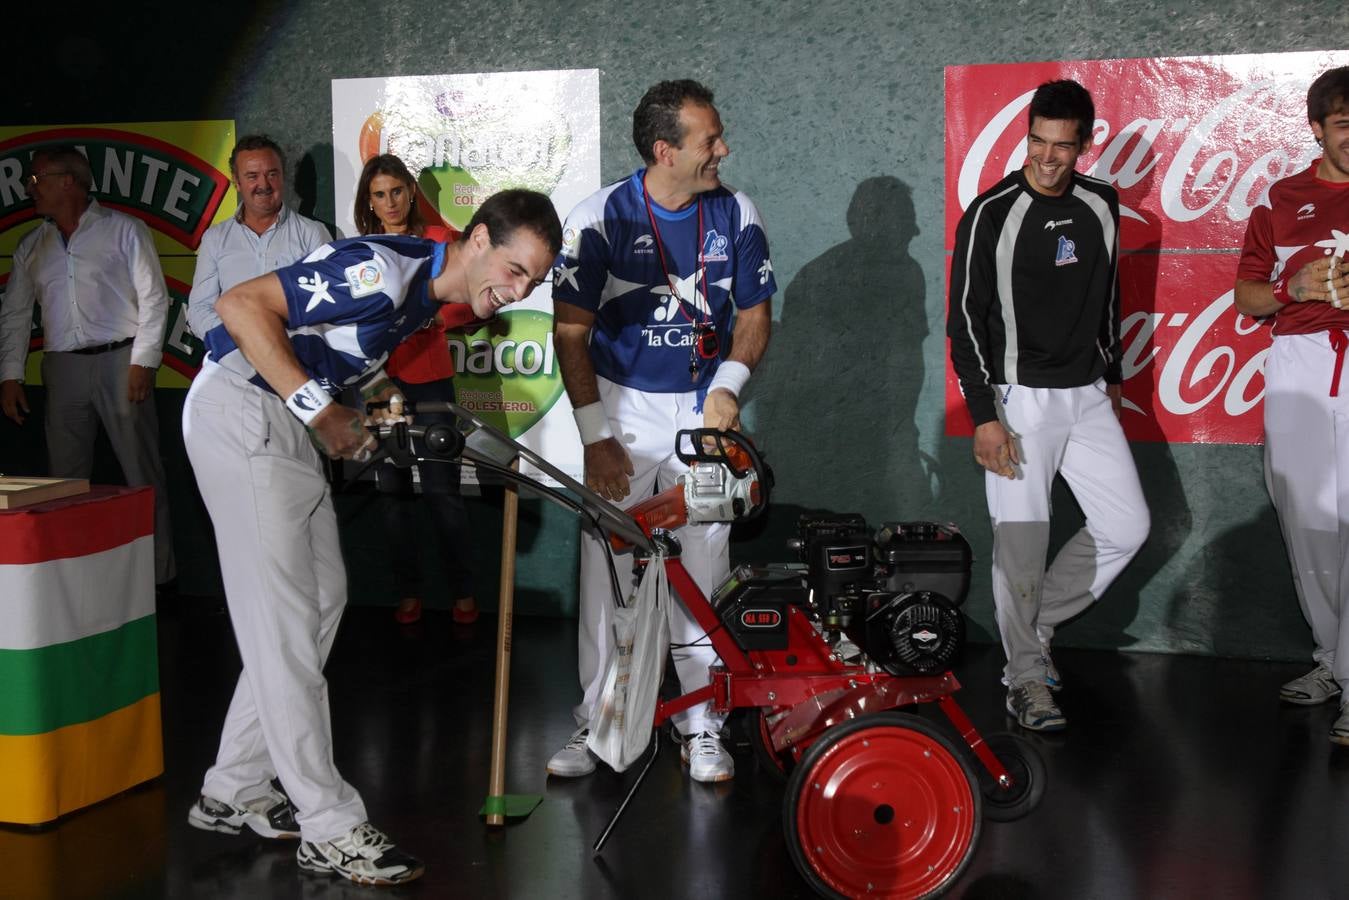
(1192, 144)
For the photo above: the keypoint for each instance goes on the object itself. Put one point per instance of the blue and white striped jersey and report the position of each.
(610, 265)
(349, 303)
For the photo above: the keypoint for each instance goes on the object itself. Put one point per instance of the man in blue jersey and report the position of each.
(661, 304)
(1034, 323)
(289, 342)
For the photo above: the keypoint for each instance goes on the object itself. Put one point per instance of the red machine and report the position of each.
(823, 655)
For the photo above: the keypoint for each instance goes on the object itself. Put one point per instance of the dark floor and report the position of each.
(1180, 777)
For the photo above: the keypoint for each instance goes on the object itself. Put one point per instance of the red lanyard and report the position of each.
(701, 268)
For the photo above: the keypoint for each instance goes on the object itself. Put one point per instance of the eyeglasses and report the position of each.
(31, 180)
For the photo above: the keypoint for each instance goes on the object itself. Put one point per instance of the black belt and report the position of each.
(103, 348)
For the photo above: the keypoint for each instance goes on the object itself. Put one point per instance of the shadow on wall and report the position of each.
(835, 397)
(307, 186)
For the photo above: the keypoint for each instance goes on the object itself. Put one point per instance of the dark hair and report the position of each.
(505, 211)
(385, 164)
(71, 160)
(255, 142)
(1065, 99)
(656, 117)
(1328, 94)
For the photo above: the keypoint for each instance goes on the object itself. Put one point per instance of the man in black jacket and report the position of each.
(1034, 327)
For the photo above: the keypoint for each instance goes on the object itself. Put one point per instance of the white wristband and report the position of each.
(308, 401)
(730, 375)
(593, 422)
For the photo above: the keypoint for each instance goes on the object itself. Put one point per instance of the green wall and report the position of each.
(827, 106)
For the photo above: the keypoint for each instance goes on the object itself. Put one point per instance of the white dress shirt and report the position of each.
(102, 286)
(231, 253)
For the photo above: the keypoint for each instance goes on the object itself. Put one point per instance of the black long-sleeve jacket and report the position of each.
(1035, 290)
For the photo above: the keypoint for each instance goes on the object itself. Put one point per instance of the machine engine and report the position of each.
(893, 592)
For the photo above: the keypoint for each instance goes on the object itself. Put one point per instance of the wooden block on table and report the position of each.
(20, 490)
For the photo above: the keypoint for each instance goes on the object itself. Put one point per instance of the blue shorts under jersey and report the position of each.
(610, 265)
(348, 304)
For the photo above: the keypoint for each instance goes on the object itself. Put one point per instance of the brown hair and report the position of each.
(385, 164)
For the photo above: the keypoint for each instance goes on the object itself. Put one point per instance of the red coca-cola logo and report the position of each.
(1192, 145)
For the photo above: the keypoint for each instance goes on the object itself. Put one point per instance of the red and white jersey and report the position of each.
(1306, 219)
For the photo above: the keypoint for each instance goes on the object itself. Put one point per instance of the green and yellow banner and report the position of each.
(174, 176)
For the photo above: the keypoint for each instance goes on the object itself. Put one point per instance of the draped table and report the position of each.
(79, 665)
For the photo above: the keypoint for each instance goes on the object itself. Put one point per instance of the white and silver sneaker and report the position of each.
(1033, 707)
(271, 816)
(1316, 687)
(706, 758)
(574, 759)
(364, 854)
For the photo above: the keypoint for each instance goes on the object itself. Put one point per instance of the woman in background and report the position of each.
(386, 203)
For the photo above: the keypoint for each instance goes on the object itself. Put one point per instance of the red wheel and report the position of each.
(882, 806)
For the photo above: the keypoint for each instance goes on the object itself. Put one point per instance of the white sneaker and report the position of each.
(271, 816)
(1339, 732)
(706, 758)
(574, 759)
(1316, 687)
(364, 854)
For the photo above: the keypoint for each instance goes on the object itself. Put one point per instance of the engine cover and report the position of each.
(913, 633)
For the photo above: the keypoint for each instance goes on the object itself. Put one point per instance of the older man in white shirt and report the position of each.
(96, 274)
(262, 236)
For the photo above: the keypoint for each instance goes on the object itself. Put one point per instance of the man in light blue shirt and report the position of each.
(262, 236)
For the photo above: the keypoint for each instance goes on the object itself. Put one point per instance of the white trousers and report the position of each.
(285, 586)
(646, 424)
(1307, 474)
(1072, 432)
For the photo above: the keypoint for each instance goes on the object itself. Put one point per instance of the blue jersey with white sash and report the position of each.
(348, 304)
(610, 265)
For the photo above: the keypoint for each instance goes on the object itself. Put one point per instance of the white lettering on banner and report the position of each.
(1189, 174)
(178, 195)
(1180, 371)
(179, 331)
(11, 170)
(1249, 107)
(461, 152)
(152, 169)
(506, 357)
(117, 170)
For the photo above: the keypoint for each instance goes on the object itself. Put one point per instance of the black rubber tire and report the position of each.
(1024, 763)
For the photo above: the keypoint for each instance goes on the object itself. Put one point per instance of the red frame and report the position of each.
(805, 689)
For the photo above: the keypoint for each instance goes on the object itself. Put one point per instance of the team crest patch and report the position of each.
(714, 247)
(1067, 252)
(571, 241)
(365, 278)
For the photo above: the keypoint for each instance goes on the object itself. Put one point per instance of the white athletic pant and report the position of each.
(1307, 474)
(285, 586)
(646, 424)
(1072, 432)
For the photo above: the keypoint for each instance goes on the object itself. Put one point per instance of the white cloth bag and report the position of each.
(621, 725)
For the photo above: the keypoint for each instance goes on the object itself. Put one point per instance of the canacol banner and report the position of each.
(174, 176)
(1192, 144)
(465, 137)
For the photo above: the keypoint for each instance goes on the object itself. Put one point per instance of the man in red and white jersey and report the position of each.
(1295, 267)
